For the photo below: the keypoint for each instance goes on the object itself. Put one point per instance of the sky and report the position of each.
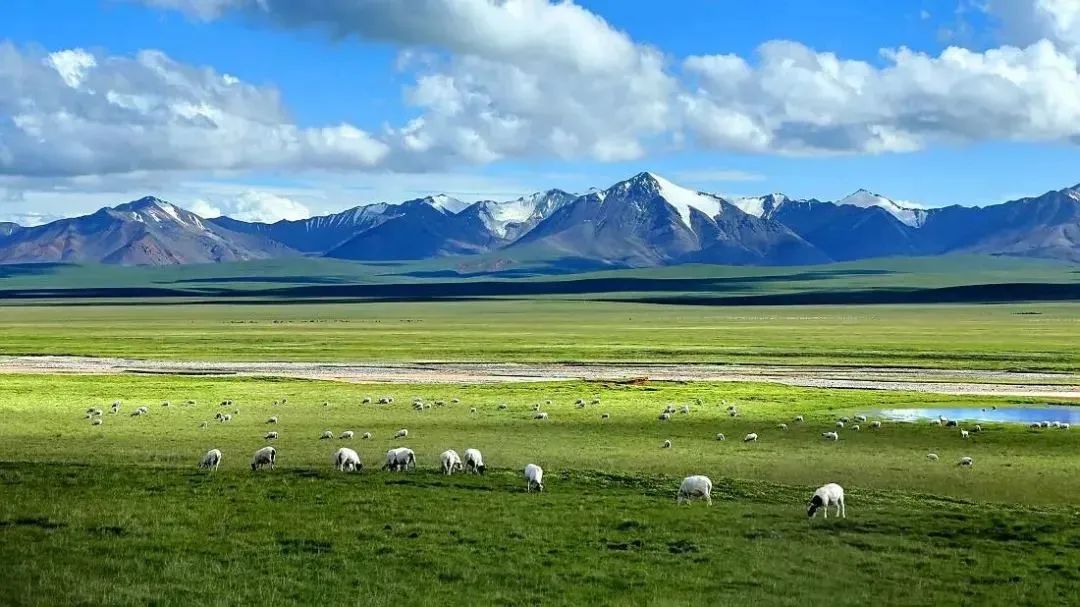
(277, 109)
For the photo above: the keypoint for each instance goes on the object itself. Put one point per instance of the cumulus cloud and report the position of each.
(1025, 22)
(251, 205)
(796, 100)
(73, 112)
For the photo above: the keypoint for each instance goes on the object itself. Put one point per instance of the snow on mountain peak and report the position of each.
(906, 212)
(759, 206)
(683, 199)
(447, 203)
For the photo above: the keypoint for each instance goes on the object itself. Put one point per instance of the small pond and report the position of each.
(1027, 415)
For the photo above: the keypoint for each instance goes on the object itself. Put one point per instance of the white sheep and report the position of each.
(346, 435)
(270, 436)
(166, 404)
(1045, 424)
(964, 433)
(798, 419)
(536, 407)
(455, 401)
(534, 476)
(666, 445)
(402, 433)
(605, 415)
(326, 435)
(845, 419)
(386, 400)
(1035, 426)
(226, 418)
(580, 402)
(1064, 426)
(96, 421)
(580, 405)
(827, 495)
(366, 436)
(347, 460)
(546, 402)
(876, 424)
(856, 427)
(541, 415)
(733, 412)
(720, 436)
(400, 458)
(965, 461)
(503, 407)
(204, 424)
(977, 428)
(211, 460)
(685, 409)
(366, 401)
(450, 461)
(781, 426)
(272, 420)
(932, 457)
(472, 410)
(830, 435)
(267, 456)
(595, 401)
(840, 424)
(474, 461)
(750, 438)
(664, 416)
(669, 409)
(860, 418)
(695, 487)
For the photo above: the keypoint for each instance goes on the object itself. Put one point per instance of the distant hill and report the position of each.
(643, 221)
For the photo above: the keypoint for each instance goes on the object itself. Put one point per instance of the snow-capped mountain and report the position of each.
(648, 220)
(906, 212)
(146, 231)
(641, 221)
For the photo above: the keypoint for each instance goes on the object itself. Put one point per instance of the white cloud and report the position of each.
(251, 205)
(799, 101)
(73, 113)
(1028, 21)
(718, 176)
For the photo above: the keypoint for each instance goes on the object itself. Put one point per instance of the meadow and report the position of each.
(118, 513)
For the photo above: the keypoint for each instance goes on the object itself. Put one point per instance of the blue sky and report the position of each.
(342, 101)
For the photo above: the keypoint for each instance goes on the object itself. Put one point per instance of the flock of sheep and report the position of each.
(403, 458)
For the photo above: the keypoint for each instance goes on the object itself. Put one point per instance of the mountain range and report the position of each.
(645, 220)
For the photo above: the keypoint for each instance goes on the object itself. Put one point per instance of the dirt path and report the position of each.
(934, 381)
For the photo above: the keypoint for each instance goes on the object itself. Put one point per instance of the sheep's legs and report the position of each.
(843, 509)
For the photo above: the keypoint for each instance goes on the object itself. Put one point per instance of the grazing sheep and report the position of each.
(347, 460)
(211, 460)
(366, 401)
(605, 415)
(366, 436)
(875, 424)
(695, 487)
(272, 420)
(1035, 426)
(750, 438)
(932, 457)
(541, 415)
(115, 408)
(226, 418)
(455, 401)
(860, 418)
(936, 422)
(781, 426)
(580, 405)
(856, 427)
(326, 403)
(219, 415)
(1045, 424)
(474, 461)
(1056, 424)
(386, 400)
(166, 404)
(664, 416)
(534, 475)
(964, 434)
(669, 409)
(450, 461)
(845, 419)
(827, 495)
(685, 410)
(204, 424)
(546, 402)
(798, 419)
(267, 456)
(503, 407)
(965, 461)
(347, 435)
(403, 433)
(733, 413)
(580, 402)
(830, 436)
(96, 422)
(326, 435)
(952, 423)
(595, 401)
(401, 458)
(270, 436)
(840, 424)
(472, 410)
(536, 407)
(1064, 426)
(666, 445)
(440, 403)
(192, 402)
(977, 428)
(720, 436)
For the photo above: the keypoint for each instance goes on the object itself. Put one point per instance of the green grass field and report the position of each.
(118, 513)
(1006, 336)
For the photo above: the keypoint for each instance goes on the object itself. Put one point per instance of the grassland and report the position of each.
(1007, 336)
(118, 514)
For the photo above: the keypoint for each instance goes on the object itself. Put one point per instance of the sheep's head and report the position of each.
(812, 507)
(253, 466)
(481, 468)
